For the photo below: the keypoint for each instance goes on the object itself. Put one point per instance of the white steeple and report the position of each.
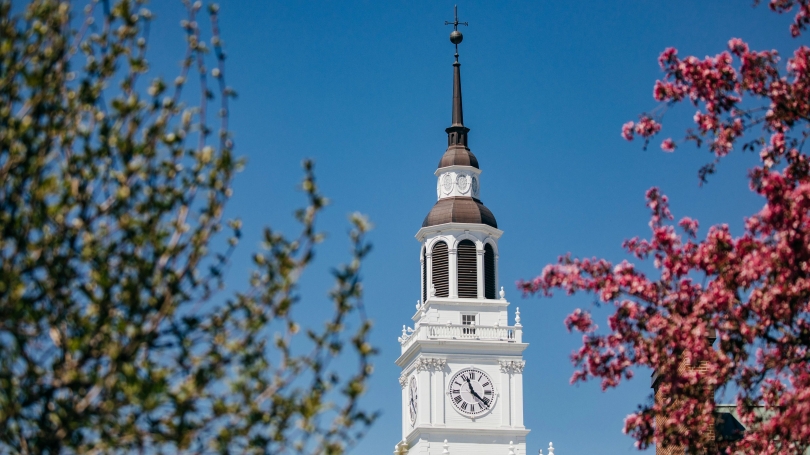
(462, 363)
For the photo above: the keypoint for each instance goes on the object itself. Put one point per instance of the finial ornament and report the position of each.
(517, 317)
(446, 450)
(455, 36)
(550, 449)
(503, 294)
(511, 448)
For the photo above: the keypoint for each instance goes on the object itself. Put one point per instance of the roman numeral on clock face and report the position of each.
(457, 399)
(463, 405)
(485, 384)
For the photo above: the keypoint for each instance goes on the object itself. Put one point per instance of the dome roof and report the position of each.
(459, 209)
(459, 156)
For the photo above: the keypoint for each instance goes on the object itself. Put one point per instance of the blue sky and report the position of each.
(364, 88)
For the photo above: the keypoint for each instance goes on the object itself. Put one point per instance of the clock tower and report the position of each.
(462, 361)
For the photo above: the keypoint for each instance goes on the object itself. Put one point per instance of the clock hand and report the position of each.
(481, 399)
(475, 394)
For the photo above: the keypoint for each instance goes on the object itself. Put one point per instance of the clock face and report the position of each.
(412, 399)
(447, 183)
(472, 392)
(475, 186)
(462, 183)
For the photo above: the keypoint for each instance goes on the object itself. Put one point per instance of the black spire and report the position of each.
(457, 132)
(458, 112)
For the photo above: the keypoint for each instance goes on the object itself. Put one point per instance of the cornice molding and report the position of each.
(477, 351)
(456, 229)
(430, 364)
(457, 167)
(512, 366)
(427, 429)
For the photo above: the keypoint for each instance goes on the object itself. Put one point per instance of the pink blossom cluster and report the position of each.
(717, 87)
(755, 296)
(646, 128)
(668, 145)
(802, 18)
(735, 310)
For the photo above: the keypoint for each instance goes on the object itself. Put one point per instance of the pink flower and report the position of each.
(646, 127)
(737, 46)
(580, 320)
(689, 225)
(627, 131)
(668, 145)
(668, 57)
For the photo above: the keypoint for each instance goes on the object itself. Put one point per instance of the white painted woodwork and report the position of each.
(438, 346)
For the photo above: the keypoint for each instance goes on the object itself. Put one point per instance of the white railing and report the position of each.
(402, 448)
(468, 332)
(433, 331)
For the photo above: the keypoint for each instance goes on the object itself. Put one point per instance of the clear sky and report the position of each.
(364, 88)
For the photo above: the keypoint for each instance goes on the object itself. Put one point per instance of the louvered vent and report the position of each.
(424, 277)
(489, 272)
(441, 270)
(467, 270)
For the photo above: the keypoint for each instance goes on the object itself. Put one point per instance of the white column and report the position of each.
(505, 398)
(497, 282)
(438, 396)
(441, 402)
(430, 393)
(512, 399)
(518, 382)
(423, 277)
(453, 258)
(433, 402)
(479, 262)
(423, 378)
(429, 259)
(406, 417)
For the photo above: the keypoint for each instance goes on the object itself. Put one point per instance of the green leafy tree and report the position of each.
(112, 190)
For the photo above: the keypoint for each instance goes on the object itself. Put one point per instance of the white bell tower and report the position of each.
(462, 361)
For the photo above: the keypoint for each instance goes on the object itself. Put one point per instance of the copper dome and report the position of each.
(459, 209)
(458, 156)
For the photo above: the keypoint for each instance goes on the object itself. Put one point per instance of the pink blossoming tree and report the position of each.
(751, 291)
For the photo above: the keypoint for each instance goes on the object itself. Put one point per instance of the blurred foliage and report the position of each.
(112, 190)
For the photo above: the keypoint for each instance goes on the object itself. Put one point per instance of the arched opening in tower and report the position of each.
(441, 270)
(489, 272)
(424, 276)
(467, 270)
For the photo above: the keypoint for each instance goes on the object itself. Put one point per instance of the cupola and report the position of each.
(458, 174)
(459, 234)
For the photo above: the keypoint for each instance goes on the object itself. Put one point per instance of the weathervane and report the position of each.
(456, 36)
